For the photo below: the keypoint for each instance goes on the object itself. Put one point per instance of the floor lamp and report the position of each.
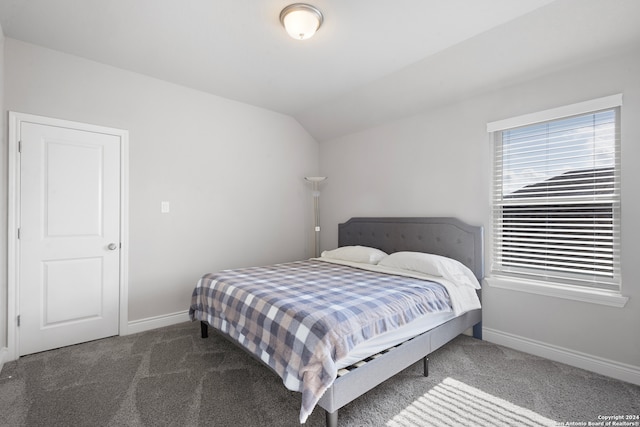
(315, 184)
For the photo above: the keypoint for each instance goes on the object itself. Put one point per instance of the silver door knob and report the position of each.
(112, 246)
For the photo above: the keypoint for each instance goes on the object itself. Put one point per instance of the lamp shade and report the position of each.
(301, 20)
(315, 178)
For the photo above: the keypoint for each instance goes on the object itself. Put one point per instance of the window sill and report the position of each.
(594, 296)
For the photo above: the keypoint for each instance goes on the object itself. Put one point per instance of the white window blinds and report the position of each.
(556, 200)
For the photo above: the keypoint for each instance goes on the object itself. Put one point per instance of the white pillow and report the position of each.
(433, 265)
(361, 254)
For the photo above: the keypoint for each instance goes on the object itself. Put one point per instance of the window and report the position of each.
(556, 195)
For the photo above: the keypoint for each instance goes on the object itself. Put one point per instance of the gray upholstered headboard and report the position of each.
(449, 237)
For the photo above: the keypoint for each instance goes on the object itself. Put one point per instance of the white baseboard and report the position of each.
(133, 327)
(142, 325)
(4, 353)
(599, 365)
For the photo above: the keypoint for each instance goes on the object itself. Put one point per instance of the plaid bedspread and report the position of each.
(301, 317)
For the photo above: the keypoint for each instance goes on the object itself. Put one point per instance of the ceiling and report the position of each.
(371, 61)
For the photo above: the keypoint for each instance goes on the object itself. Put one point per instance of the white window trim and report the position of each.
(557, 113)
(575, 293)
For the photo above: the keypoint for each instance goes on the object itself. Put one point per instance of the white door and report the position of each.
(69, 236)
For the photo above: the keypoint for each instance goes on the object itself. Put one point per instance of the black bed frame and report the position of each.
(441, 236)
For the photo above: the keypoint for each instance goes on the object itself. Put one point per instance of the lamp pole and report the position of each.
(315, 186)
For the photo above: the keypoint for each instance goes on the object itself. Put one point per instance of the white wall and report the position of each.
(233, 173)
(439, 163)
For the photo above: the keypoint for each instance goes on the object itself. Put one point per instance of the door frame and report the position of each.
(13, 217)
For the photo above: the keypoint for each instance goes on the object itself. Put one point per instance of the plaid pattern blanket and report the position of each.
(301, 317)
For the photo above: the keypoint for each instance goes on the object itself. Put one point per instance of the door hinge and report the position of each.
(18, 234)
(18, 320)
(20, 146)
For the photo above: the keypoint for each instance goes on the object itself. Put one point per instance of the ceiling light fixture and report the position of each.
(301, 20)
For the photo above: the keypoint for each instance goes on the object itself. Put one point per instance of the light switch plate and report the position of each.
(164, 207)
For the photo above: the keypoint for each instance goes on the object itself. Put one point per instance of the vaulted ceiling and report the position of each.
(371, 61)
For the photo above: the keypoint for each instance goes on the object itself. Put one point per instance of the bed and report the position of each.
(331, 366)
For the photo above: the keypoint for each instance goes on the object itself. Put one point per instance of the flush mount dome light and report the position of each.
(301, 20)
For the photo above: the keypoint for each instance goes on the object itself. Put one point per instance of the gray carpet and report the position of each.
(172, 377)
